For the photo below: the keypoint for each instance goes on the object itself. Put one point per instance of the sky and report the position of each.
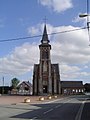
(26, 18)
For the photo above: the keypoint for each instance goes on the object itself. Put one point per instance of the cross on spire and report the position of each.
(45, 20)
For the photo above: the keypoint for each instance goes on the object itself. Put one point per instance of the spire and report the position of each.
(45, 36)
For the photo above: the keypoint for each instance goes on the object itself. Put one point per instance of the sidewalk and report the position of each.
(20, 99)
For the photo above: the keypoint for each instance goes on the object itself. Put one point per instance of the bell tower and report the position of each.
(46, 78)
(45, 64)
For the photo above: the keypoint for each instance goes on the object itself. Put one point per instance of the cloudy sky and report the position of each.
(25, 18)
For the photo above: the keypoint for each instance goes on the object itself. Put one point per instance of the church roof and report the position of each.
(71, 84)
(26, 82)
(45, 36)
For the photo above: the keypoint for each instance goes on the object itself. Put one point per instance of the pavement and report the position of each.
(7, 100)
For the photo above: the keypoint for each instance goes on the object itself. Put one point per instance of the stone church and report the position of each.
(46, 78)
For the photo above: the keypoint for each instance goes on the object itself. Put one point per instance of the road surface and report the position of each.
(69, 108)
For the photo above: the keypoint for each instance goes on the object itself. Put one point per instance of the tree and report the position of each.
(14, 83)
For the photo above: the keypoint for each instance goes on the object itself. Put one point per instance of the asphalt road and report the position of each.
(70, 108)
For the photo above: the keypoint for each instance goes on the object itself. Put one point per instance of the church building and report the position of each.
(46, 78)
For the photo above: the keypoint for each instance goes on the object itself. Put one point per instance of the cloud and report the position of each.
(57, 5)
(72, 72)
(69, 72)
(38, 29)
(35, 30)
(69, 49)
(72, 47)
(21, 60)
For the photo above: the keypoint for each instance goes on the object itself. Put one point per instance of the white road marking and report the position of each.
(55, 106)
(52, 101)
(33, 118)
(48, 111)
(68, 101)
(58, 106)
(78, 116)
(63, 103)
(60, 99)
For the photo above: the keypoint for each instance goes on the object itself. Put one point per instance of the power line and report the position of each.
(28, 37)
(68, 31)
(21, 38)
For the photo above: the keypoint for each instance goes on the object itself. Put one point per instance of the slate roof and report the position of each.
(45, 36)
(27, 83)
(72, 84)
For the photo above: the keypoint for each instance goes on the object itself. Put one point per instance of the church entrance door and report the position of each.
(44, 89)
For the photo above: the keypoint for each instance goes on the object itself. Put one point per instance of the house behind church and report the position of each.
(25, 88)
(87, 87)
(72, 87)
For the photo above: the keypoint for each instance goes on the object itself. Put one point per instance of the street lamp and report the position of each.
(88, 22)
(83, 15)
(87, 15)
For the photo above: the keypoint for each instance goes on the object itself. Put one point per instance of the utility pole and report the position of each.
(88, 22)
(3, 85)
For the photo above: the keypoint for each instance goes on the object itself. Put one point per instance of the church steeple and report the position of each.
(46, 75)
(45, 36)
